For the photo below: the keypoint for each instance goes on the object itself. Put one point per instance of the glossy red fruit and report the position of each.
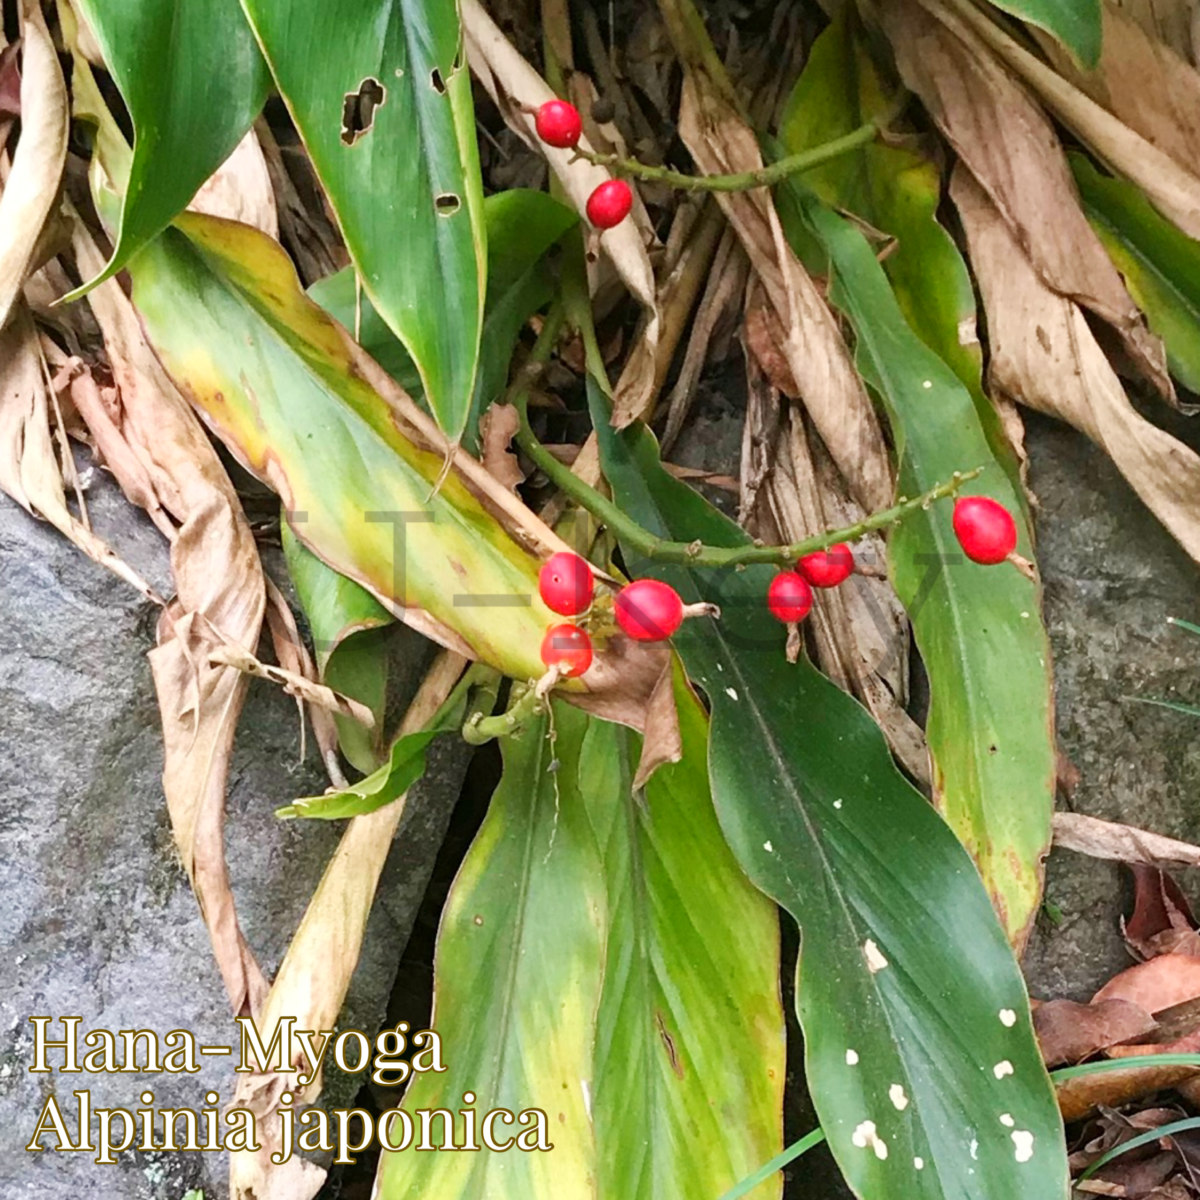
(566, 584)
(789, 597)
(828, 568)
(648, 611)
(567, 647)
(610, 203)
(558, 124)
(985, 529)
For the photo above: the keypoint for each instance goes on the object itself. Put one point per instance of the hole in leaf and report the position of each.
(447, 204)
(358, 109)
(439, 84)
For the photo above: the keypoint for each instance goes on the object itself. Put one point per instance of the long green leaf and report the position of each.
(1076, 23)
(381, 95)
(517, 984)
(347, 625)
(274, 377)
(522, 225)
(1160, 264)
(193, 81)
(918, 1039)
(979, 629)
(690, 1050)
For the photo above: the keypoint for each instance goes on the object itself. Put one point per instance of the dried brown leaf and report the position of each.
(220, 599)
(240, 189)
(1162, 921)
(1011, 148)
(1154, 985)
(1044, 355)
(1173, 189)
(1121, 843)
(722, 143)
(496, 431)
(315, 973)
(32, 184)
(1079, 1097)
(1069, 1032)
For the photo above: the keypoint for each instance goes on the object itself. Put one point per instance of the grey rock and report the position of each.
(1112, 577)
(98, 919)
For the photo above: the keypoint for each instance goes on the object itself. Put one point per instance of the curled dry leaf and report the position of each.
(1159, 983)
(220, 597)
(1162, 921)
(1084, 1094)
(1173, 189)
(1069, 1032)
(496, 431)
(1011, 148)
(519, 91)
(29, 469)
(240, 189)
(722, 143)
(1043, 355)
(1121, 843)
(32, 185)
(312, 980)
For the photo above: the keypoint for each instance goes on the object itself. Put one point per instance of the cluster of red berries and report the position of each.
(790, 596)
(558, 124)
(646, 610)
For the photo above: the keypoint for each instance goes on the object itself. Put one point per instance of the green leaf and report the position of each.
(517, 984)
(193, 81)
(690, 1011)
(1160, 264)
(1075, 23)
(347, 625)
(522, 225)
(276, 380)
(380, 93)
(936, 1047)
(979, 629)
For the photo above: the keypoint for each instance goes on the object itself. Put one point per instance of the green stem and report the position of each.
(482, 729)
(766, 176)
(695, 554)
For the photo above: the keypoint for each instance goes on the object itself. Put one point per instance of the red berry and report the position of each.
(648, 611)
(609, 204)
(566, 584)
(558, 124)
(985, 529)
(789, 597)
(828, 568)
(567, 647)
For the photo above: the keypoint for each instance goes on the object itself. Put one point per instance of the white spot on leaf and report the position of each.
(1023, 1141)
(897, 1097)
(1008, 1018)
(837, 804)
(875, 960)
(768, 847)
(1002, 1068)
(974, 1149)
(865, 1136)
(852, 1058)
(731, 693)
(919, 1163)
(927, 384)
(1006, 1120)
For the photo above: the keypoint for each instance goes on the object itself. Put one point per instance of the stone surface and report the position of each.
(1112, 576)
(98, 919)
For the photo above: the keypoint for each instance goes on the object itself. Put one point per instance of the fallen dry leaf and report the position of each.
(496, 431)
(1162, 921)
(1069, 1032)
(1011, 148)
(1173, 189)
(1167, 21)
(240, 189)
(315, 973)
(29, 468)
(1079, 1097)
(220, 598)
(1157, 984)
(1043, 355)
(519, 91)
(32, 184)
(1121, 843)
(721, 142)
